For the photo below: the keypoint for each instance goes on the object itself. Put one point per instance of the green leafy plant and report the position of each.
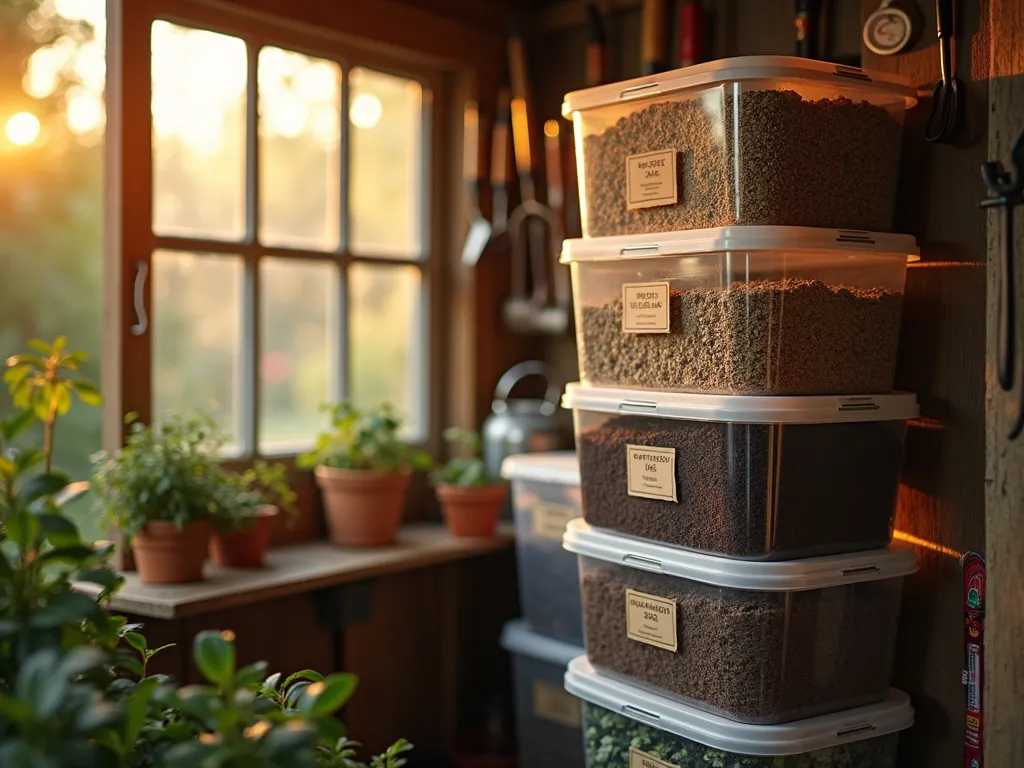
(164, 472)
(75, 688)
(364, 439)
(38, 382)
(242, 493)
(465, 468)
(172, 472)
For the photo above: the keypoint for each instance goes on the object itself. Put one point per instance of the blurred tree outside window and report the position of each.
(52, 74)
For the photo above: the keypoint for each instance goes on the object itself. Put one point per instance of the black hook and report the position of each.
(1009, 189)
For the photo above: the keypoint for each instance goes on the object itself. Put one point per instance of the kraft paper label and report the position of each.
(638, 759)
(549, 520)
(651, 179)
(645, 308)
(556, 705)
(651, 619)
(651, 472)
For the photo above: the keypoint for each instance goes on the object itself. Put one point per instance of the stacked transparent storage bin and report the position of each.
(545, 492)
(738, 302)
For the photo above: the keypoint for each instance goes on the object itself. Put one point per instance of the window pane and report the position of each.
(387, 341)
(299, 358)
(387, 201)
(300, 150)
(199, 80)
(197, 337)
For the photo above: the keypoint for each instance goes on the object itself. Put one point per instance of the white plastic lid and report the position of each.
(889, 716)
(782, 576)
(743, 409)
(518, 638)
(739, 238)
(740, 68)
(561, 467)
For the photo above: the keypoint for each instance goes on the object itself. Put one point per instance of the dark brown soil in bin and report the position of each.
(826, 163)
(770, 337)
(752, 491)
(758, 657)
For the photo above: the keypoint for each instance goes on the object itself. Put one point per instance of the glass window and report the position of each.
(199, 98)
(386, 187)
(264, 330)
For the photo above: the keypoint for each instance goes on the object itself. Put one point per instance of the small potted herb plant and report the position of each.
(363, 469)
(249, 511)
(162, 490)
(470, 497)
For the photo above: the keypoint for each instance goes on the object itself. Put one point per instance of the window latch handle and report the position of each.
(139, 298)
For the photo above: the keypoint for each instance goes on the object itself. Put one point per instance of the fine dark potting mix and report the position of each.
(757, 657)
(751, 491)
(813, 163)
(789, 336)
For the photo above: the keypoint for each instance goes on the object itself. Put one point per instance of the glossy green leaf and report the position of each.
(87, 392)
(14, 426)
(75, 555)
(64, 608)
(136, 641)
(23, 528)
(325, 697)
(59, 530)
(103, 577)
(40, 486)
(214, 654)
(135, 709)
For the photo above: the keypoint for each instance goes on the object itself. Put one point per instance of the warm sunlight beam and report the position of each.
(22, 129)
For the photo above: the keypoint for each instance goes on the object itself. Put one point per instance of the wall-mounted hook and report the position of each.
(1008, 187)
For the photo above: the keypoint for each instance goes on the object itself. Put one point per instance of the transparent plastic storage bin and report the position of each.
(755, 478)
(750, 140)
(547, 718)
(741, 310)
(624, 725)
(545, 497)
(754, 642)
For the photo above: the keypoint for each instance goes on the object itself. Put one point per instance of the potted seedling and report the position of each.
(249, 512)
(162, 490)
(363, 468)
(471, 498)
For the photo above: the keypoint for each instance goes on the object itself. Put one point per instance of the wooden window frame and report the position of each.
(131, 242)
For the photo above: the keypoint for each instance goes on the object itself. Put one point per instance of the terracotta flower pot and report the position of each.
(363, 507)
(246, 546)
(165, 554)
(472, 512)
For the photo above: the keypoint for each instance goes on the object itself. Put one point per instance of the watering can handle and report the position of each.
(520, 371)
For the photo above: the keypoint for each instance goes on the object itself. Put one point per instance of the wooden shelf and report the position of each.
(300, 568)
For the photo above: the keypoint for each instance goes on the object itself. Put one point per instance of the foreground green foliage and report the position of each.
(364, 439)
(466, 467)
(75, 688)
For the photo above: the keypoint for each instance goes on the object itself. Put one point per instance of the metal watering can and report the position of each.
(522, 425)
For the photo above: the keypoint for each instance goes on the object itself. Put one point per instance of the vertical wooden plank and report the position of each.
(942, 353)
(1004, 479)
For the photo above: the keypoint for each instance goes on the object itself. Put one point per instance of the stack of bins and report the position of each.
(738, 303)
(545, 489)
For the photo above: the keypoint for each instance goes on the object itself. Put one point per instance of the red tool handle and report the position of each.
(691, 33)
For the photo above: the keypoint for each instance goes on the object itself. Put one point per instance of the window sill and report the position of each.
(297, 569)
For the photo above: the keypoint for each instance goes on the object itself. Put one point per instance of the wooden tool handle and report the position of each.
(521, 136)
(499, 141)
(471, 143)
(517, 67)
(652, 40)
(553, 165)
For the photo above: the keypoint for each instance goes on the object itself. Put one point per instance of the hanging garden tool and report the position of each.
(973, 566)
(1009, 189)
(479, 227)
(596, 64)
(808, 22)
(945, 115)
